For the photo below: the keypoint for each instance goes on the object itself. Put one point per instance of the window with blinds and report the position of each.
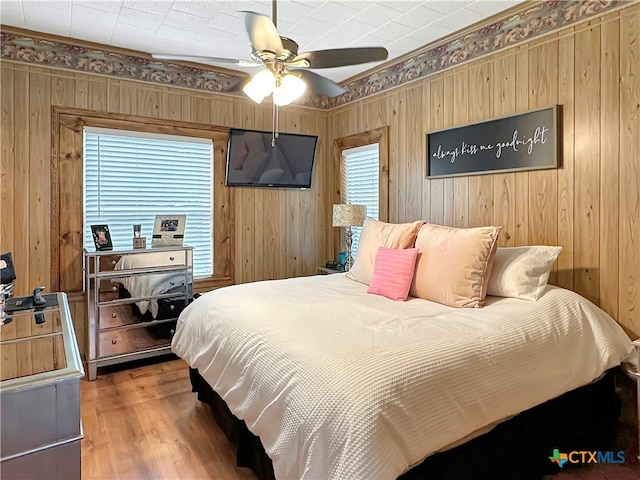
(130, 177)
(360, 182)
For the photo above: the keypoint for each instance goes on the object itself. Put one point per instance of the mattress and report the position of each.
(338, 383)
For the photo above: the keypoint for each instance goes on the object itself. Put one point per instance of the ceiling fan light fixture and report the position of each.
(261, 85)
(252, 93)
(277, 55)
(290, 89)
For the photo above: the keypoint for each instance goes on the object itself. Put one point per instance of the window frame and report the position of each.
(350, 187)
(104, 137)
(67, 192)
(379, 136)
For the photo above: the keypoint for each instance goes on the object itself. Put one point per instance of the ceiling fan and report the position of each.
(286, 73)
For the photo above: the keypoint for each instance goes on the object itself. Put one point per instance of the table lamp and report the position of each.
(348, 215)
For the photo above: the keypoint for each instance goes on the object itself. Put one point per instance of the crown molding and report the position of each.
(507, 29)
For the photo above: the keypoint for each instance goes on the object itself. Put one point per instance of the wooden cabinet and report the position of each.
(134, 298)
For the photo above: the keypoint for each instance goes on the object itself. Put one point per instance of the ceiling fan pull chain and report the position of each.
(274, 126)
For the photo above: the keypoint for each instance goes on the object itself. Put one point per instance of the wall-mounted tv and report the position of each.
(253, 162)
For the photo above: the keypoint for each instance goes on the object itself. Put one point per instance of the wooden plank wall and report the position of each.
(279, 233)
(590, 206)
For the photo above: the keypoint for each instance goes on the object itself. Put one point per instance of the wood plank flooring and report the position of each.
(145, 423)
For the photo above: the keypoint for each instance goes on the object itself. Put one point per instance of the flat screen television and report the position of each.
(253, 162)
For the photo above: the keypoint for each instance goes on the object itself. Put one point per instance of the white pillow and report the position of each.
(522, 272)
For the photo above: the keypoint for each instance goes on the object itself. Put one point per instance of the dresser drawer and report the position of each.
(119, 309)
(118, 342)
(117, 316)
(60, 462)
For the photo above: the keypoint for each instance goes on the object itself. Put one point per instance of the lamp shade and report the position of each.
(261, 85)
(348, 215)
(290, 89)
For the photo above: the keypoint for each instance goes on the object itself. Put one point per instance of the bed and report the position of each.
(338, 383)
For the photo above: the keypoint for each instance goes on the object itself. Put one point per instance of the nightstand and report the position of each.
(326, 271)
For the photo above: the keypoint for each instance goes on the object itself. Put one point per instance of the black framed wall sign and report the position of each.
(527, 141)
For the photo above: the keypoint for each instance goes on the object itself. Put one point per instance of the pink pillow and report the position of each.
(454, 266)
(376, 234)
(393, 272)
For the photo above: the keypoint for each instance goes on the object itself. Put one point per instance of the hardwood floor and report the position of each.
(145, 423)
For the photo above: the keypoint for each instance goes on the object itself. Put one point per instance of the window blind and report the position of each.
(360, 182)
(130, 177)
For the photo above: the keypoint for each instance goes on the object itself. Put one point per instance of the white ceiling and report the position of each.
(216, 27)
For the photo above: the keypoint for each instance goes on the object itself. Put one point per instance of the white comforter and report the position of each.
(338, 383)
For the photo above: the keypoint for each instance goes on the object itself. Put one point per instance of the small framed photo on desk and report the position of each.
(168, 230)
(101, 237)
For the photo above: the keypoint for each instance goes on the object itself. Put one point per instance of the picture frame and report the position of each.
(168, 230)
(101, 237)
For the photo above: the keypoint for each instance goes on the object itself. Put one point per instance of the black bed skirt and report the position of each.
(249, 451)
(518, 449)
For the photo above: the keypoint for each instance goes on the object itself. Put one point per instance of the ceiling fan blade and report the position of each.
(319, 84)
(263, 33)
(205, 60)
(341, 57)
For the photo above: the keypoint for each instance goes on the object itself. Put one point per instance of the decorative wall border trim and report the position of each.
(39, 50)
(533, 21)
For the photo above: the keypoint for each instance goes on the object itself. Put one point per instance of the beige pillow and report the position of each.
(522, 272)
(377, 234)
(454, 264)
